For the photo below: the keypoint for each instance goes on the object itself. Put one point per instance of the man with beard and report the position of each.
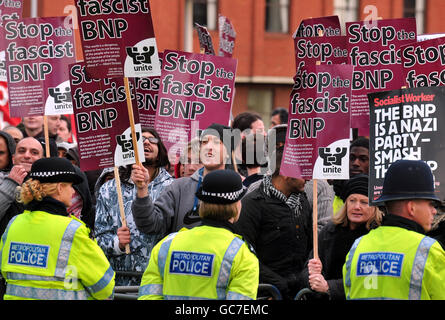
(111, 236)
(177, 207)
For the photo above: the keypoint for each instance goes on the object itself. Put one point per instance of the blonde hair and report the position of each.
(34, 190)
(341, 217)
(220, 212)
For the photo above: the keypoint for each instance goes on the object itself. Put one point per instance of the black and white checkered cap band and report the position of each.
(228, 196)
(47, 174)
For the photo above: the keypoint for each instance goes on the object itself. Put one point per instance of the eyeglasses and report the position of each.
(152, 140)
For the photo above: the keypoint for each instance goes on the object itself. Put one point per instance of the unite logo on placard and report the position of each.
(62, 100)
(126, 143)
(141, 59)
(332, 159)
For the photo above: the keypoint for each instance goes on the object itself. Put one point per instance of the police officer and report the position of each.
(44, 253)
(396, 260)
(208, 261)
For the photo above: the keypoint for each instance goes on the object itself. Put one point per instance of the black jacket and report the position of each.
(334, 243)
(281, 240)
(88, 214)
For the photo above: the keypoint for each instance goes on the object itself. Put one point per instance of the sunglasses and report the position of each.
(152, 140)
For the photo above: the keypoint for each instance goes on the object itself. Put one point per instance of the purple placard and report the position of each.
(321, 26)
(227, 36)
(38, 52)
(317, 141)
(205, 40)
(10, 10)
(102, 122)
(147, 90)
(196, 91)
(424, 63)
(326, 50)
(374, 51)
(118, 40)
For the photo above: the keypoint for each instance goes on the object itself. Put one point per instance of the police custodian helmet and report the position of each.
(408, 179)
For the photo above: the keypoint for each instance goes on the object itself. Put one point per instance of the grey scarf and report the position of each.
(293, 202)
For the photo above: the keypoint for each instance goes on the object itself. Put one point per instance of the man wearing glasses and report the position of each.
(110, 234)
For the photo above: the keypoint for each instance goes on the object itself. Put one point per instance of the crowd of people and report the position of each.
(216, 224)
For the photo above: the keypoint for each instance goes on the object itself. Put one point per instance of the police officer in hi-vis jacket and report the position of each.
(209, 261)
(397, 260)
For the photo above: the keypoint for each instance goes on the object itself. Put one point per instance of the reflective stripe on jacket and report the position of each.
(202, 263)
(50, 257)
(395, 263)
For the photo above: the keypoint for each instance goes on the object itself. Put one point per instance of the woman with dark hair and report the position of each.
(111, 236)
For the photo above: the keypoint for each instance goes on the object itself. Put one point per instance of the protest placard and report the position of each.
(406, 124)
(317, 141)
(227, 36)
(117, 38)
(326, 50)
(205, 40)
(38, 52)
(147, 90)
(102, 121)
(424, 63)
(10, 10)
(196, 90)
(375, 52)
(320, 26)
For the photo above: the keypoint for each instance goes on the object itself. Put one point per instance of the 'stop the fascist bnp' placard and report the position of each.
(118, 39)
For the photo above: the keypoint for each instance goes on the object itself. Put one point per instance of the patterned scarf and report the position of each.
(293, 202)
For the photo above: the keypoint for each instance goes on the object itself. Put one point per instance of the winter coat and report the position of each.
(281, 240)
(172, 211)
(108, 220)
(334, 242)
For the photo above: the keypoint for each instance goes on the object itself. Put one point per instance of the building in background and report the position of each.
(264, 28)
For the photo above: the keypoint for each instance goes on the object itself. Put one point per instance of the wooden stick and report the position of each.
(121, 203)
(315, 217)
(131, 117)
(45, 130)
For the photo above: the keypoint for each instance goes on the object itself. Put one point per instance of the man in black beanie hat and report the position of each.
(177, 206)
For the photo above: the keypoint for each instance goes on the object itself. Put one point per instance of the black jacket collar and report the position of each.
(393, 220)
(48, 204)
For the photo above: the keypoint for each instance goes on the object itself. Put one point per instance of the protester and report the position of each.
(253, 158)
(276, 220)
(177, 206)
(33, 126)
(53, 150)
(279, 116)
(70, 266)
(63, 148)
(223, 266)
(7, 149)
(112, 237)
(245, 123)
(354, 220)
(64, 132)
(27, 151)
(396, 260)
(358, 164)
(14, 132)
(276, 138)
(189, 161)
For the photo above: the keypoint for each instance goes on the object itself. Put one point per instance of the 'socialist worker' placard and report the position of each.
(118, 38)
(103, 126)
(38, 52)
(196, 91)
(317, 141)
(374, 50)
(406, 124)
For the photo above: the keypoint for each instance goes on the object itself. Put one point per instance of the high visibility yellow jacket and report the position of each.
(50, 257)
(395, 263)
(205, 262)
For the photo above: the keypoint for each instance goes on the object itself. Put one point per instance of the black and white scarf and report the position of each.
(293, 202)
